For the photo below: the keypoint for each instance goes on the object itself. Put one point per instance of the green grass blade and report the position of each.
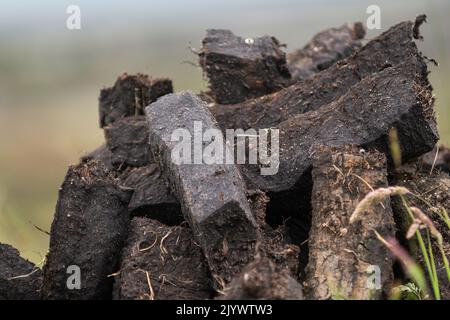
(422, 247)
(434, 280)
(445, 260)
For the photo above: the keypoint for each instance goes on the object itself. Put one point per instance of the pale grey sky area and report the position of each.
(49, 15)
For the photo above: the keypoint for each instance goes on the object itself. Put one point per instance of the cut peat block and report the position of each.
(324, 49)
(90, 223)
(127, 140)
(436, 159)
(212, 196)
(389, 49)
(239, 69)
(19, 278)
(101, 154)
(129, 95)
(161, 263)
(434, 189)
(342, 255)
(398, 97)
(151, 197)
(261, 280)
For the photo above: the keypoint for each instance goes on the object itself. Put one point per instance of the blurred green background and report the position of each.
(50, 76)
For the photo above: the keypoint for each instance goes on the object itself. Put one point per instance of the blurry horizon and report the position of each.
(50, 77)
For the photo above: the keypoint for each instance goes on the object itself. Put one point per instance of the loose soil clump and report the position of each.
(163, 263)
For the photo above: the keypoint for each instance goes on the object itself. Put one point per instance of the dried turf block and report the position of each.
(324, 49)
(261, 280)
(127, 139)
(19, 278)
(101, 154)
(389, 49)
(161, 263)
(90, 223)
(212, 196)
(151, 197)
(398, 97)
(343, 255)
(239, 69)
(436, 159)
(434, 192)
(129, 95)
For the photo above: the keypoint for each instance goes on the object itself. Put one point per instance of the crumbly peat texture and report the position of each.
(161, 263)
(19, 278)
(324, 49)
(342, 254)
(88, 230)
(129, 95)
(240, 69)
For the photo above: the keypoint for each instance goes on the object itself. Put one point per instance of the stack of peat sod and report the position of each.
(133, 223)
